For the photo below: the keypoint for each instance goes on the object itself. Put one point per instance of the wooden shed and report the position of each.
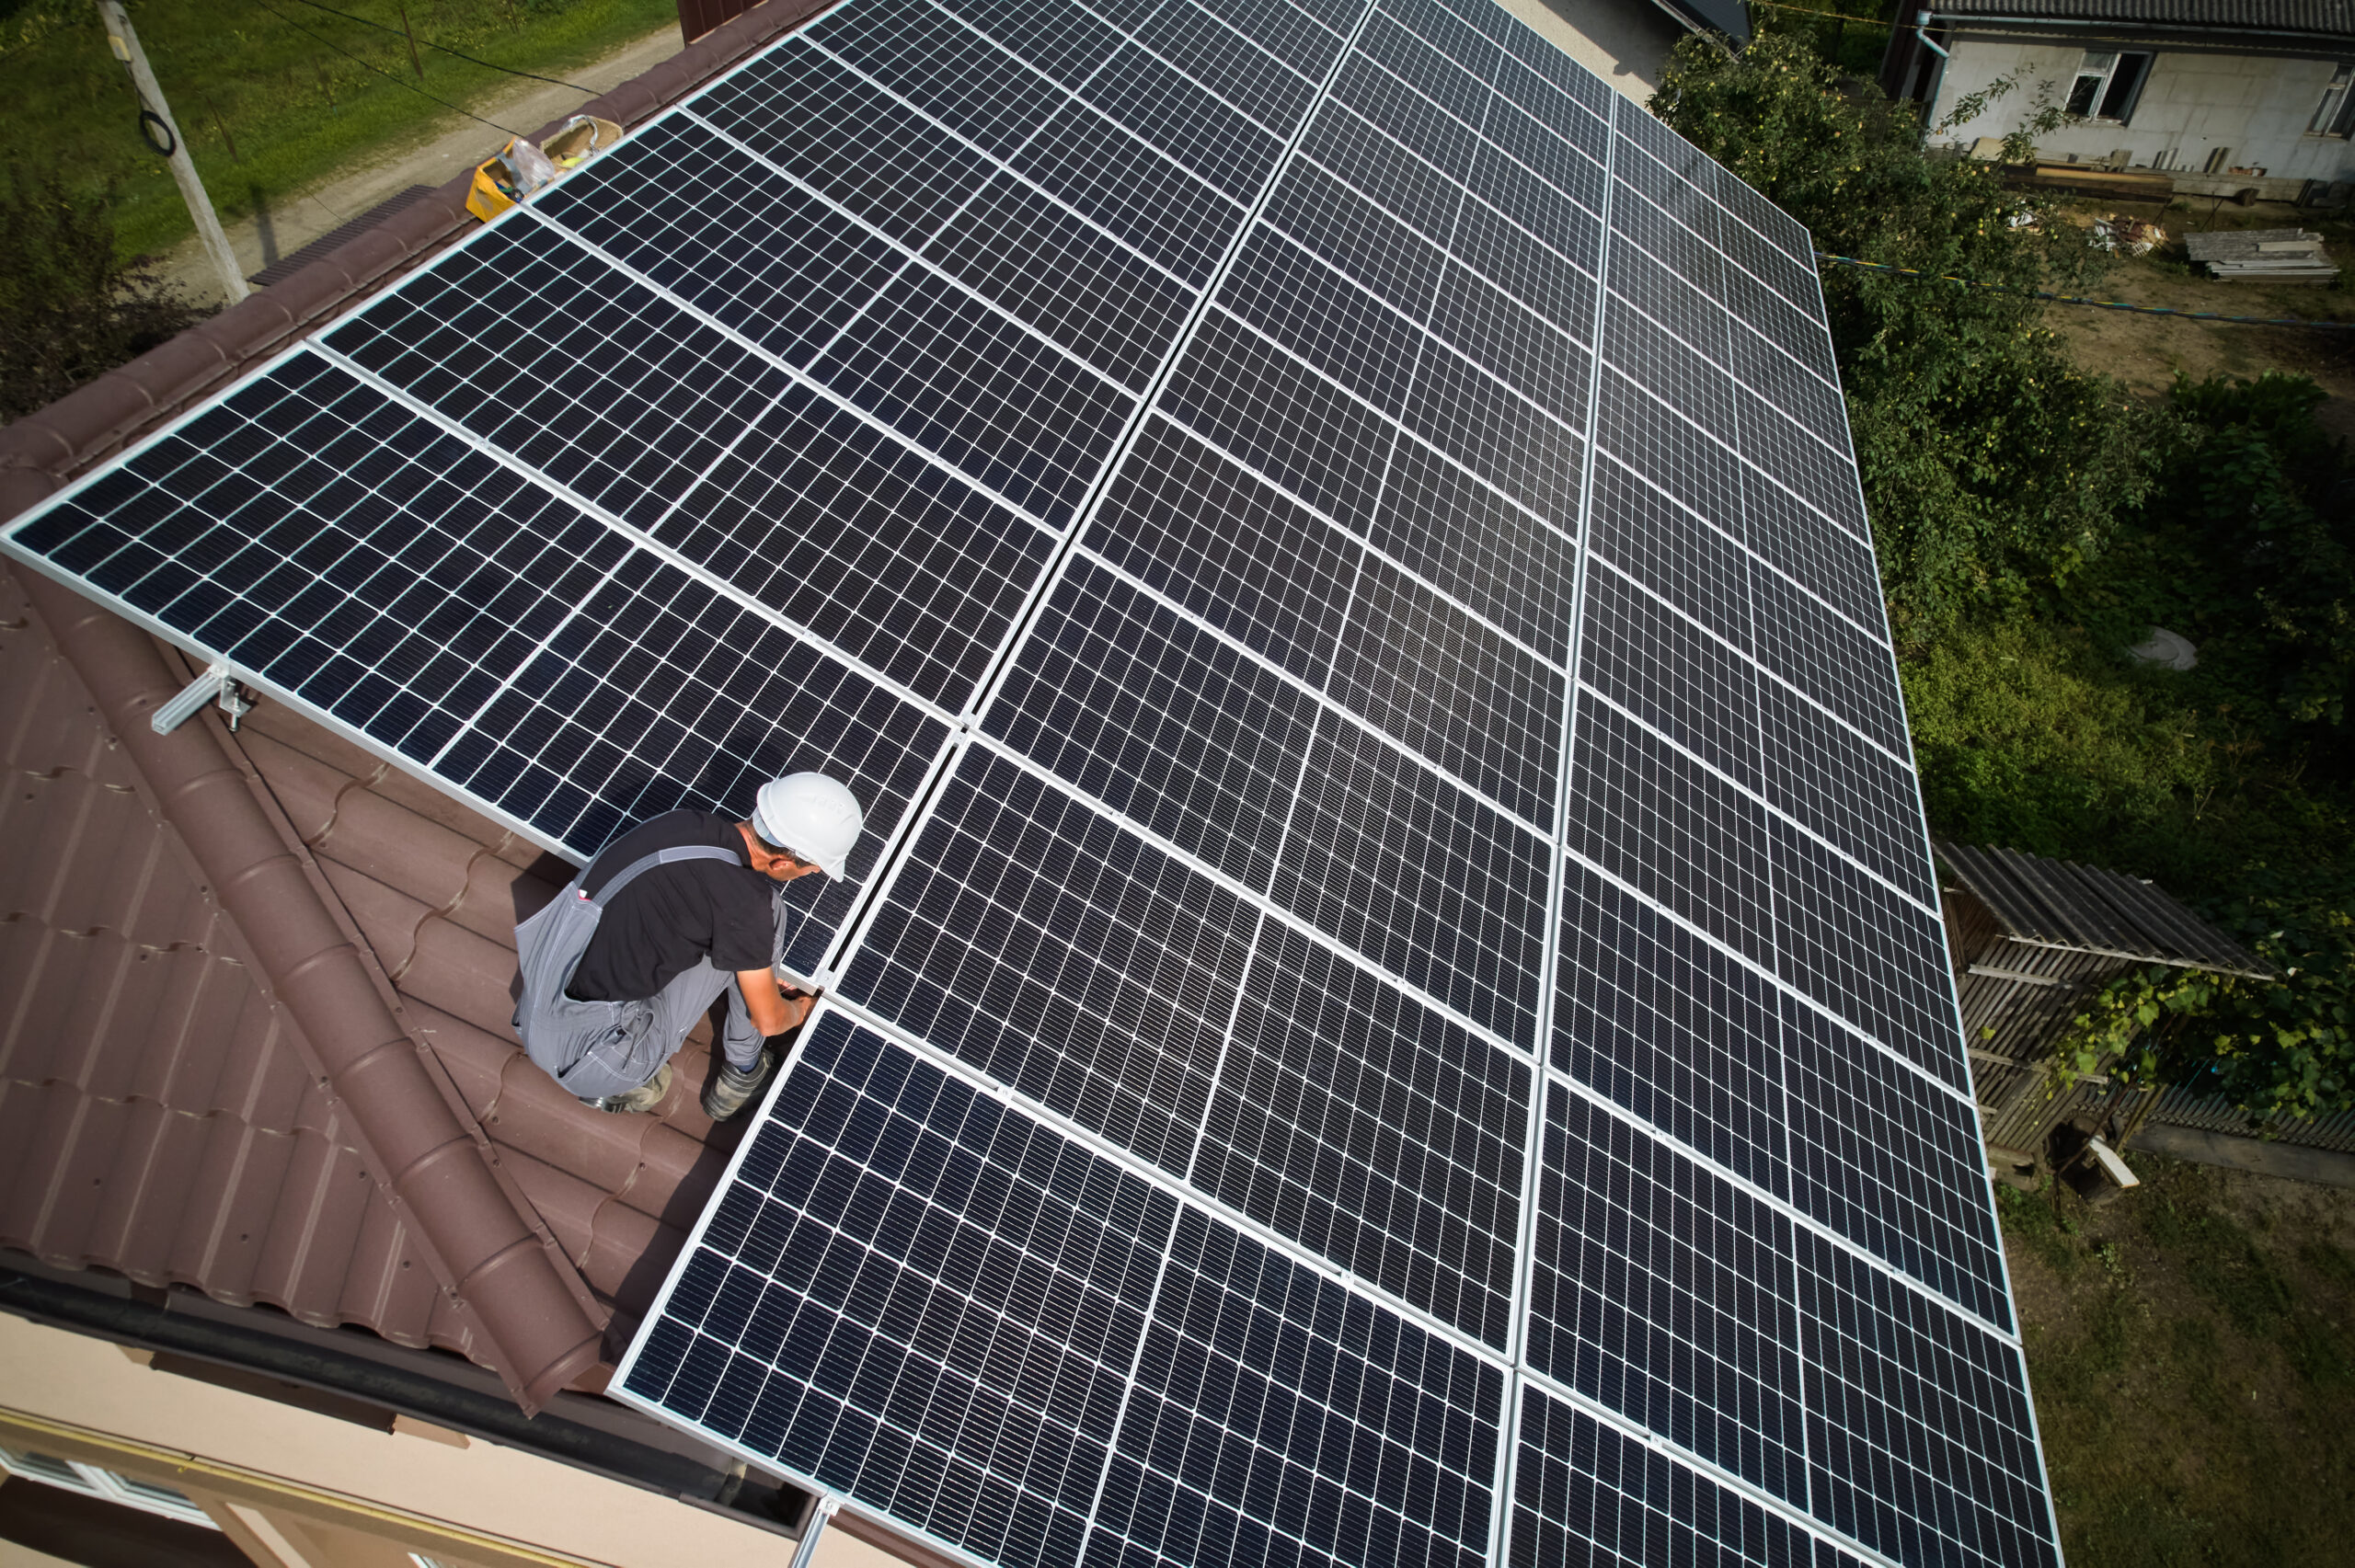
(2030, 937)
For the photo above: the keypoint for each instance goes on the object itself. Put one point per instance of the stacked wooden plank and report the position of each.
(2263, 253)
(2091, 179)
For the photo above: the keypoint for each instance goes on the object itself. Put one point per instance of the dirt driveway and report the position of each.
(2145, 352)
(291, 221)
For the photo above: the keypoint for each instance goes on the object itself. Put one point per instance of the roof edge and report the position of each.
(42, 452)
(497, 1268)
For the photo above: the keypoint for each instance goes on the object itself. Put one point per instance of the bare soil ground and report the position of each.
(2147, 352)
(2192, 1348)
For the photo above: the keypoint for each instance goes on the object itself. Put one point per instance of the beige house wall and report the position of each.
(2255, 107)
(1623, 41)
(295, 1489)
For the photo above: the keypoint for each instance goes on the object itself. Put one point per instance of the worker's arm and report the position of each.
(772, 1010)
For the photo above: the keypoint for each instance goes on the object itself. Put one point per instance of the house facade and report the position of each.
(2227, 95)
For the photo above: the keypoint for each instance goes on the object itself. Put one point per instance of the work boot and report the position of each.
(727, 1091)
(644, 1097)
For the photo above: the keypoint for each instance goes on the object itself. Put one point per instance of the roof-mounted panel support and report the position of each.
(217, 684)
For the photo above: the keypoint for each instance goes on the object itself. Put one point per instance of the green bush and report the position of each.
(69, 309)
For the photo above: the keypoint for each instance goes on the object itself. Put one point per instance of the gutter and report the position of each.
(583, 1431)
(2321, 41)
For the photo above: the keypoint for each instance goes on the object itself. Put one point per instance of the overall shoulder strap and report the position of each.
(643, 863)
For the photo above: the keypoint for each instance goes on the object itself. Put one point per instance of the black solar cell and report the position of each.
(1655, 1019)
(1664, 1293)
(1190, 523)
(1044, 945)
(783, 267)
(1430, 883)
(1276, 1046)
(1371, 1130)
(1163, 721)
(1587, 1493)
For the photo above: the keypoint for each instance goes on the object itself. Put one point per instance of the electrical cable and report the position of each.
(1830, 15)
(389, 76)
(402, 32)
(2080, 299)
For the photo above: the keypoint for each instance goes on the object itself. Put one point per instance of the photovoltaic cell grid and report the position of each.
(1356, 1050)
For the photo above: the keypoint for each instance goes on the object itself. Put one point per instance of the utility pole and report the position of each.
(155, 112)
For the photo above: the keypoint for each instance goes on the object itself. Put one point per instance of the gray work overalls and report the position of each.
(597, 1049)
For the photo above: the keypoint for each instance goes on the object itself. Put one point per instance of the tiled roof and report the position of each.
(437, 890)
(2318, 17)
(254, 988)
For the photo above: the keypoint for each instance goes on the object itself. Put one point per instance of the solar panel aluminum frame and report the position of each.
(895, 856)
(822, 975)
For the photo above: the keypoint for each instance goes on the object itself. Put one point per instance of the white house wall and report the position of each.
(2258, 106)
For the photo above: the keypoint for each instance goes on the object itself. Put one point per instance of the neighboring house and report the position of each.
(302, 1264)
(2228, 95)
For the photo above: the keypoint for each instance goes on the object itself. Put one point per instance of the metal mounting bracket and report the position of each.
(218, 684)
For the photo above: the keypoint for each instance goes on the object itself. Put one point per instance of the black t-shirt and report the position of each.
(673, 915)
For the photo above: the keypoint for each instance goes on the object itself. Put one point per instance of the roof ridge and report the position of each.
(500, 1268)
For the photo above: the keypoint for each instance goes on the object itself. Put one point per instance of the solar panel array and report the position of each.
(1394, 1008)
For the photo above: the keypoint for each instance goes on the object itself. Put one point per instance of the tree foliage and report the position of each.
(69, 310)
(2033, 520)
(1993, 468)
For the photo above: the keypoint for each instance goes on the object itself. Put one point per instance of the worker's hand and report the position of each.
(772, 1009)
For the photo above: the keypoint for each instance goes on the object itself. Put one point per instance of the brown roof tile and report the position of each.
(184, 1095)
(121, 941)
(616, 1183)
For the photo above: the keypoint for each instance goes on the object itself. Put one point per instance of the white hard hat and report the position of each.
(818, 819)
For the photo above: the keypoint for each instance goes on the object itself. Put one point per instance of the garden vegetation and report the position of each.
(2033, 523)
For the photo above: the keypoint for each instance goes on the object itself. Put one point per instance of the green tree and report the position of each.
(69, 310)
(1993, 468)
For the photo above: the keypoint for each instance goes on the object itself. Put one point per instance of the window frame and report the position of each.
(2118, 85)
(107, 1486)
(2335, 118)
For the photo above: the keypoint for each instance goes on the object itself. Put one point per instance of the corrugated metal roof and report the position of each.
(2322, 17)
(2059, 903)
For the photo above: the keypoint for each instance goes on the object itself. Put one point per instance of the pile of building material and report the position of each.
(2096, 181)
(2263, 253)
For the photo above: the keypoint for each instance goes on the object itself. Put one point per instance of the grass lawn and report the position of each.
(2191, 1348)
(272, 95)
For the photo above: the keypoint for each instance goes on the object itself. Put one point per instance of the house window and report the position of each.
(2331, 116)
(148, 1497)
(2107, 85)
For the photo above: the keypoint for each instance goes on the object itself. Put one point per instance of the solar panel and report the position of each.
(1395, 1009)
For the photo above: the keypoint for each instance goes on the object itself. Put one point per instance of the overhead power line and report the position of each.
(2080, 299)
(389, 76)
(380, 26)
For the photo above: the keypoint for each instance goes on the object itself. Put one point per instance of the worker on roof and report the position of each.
(620, 967)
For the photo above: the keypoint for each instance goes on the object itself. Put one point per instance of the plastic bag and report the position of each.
(583, 137)
(501, 182)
